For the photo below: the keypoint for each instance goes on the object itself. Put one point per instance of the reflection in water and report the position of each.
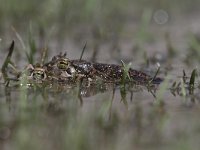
(61, 116)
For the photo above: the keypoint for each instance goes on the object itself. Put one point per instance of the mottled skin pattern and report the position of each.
(36, 72)
(59, 69)
(115, 73)
(63, 68)
(112, 72)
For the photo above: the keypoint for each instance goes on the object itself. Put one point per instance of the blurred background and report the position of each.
(118, 28)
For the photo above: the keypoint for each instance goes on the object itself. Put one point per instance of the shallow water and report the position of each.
(59, 119)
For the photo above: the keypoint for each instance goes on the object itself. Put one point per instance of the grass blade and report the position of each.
(7, 60)
(192, 81)
(44, 55)
(83, 51)
(192, 78)
(32, 46)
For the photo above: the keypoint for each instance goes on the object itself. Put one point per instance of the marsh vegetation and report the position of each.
(159, 38)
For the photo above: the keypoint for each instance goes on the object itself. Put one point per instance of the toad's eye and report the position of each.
(38, 75)
(62, 64)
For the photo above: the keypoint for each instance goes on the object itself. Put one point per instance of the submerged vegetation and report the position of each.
(64, 103)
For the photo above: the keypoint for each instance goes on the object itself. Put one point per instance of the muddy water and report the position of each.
(45, 119)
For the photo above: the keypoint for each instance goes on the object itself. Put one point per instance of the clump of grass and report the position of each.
(190, 85)
(184, 86)
(30, 55)
(125, 77)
